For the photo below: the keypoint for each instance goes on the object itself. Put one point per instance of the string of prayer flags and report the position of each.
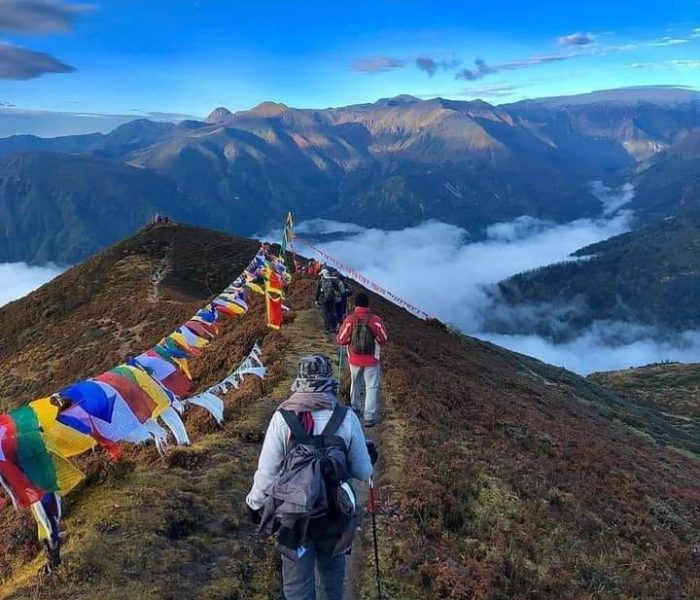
(138, 401)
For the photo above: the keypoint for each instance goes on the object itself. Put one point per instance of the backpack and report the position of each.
(363, 340)
(311, 497)
(328, 288)
(340, 291)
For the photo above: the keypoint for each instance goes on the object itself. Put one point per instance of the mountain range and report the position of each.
(499, 476)
(390, 164)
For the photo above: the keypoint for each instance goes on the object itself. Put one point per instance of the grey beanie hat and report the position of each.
(315, 374)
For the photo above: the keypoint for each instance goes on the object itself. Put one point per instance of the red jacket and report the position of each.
(377, 327)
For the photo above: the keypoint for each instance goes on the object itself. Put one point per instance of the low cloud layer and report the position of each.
(594, 350)
(443, 270)
(38, 16)
(612, 200)
(21, 64)
(19, 279)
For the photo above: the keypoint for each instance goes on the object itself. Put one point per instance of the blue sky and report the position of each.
(131, 57)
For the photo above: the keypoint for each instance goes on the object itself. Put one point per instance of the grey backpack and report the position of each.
(311, 496)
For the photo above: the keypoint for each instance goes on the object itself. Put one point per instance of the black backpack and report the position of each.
(328, 290)
(362, 340)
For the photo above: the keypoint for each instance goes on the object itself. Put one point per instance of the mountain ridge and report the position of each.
(389, 164)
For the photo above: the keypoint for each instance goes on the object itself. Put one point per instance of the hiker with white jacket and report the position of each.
(301, 490)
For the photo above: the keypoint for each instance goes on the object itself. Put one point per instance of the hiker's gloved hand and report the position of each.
(255, 516)
(372, 450)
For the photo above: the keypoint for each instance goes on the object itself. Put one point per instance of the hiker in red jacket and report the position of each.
(363, 333)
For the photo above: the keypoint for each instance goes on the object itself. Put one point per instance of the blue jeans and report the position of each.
(302, 578)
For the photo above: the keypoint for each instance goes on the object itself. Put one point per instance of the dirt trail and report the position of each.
(157, 276)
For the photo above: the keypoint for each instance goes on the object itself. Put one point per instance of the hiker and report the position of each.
(363, 333)
(314, 268)
(305, 497)
(308, 268)
(341, 299)
(326, 295)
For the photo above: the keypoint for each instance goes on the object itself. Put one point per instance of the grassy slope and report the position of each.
(508, 478)
(152, 528)
(501, 477)
(674, 387)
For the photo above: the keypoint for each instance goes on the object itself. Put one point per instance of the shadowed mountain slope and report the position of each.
(673, 174)
(501, 477)
(62, 208)
(650, 276)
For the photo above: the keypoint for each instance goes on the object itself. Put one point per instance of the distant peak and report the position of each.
(270, 109)
(663, 95)
(398, 100)
(219, 115)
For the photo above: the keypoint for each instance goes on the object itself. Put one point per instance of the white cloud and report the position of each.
(377, 64)
(669, 41)
(443, 270)
(612, 200)
(594, 351)
(438, 269)
(685, 64)
(577, 39)
(681, 63)
(19, 279)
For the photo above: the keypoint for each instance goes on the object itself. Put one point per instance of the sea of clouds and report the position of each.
(18, 279)
(451, 275)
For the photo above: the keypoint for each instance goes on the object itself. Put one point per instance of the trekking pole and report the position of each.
(373, 511)
(340, 364)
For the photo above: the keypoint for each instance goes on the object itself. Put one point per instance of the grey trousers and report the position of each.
(313, 577)
(367, 378)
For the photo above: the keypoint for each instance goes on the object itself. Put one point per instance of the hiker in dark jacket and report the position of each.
(310, 559)
(363, 333)
(341, 299)
(326, 295)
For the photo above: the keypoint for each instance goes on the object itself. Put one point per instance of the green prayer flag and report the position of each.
(32, 456)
